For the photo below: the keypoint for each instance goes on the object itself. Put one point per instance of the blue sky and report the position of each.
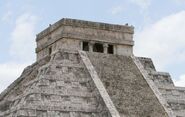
(159, 30)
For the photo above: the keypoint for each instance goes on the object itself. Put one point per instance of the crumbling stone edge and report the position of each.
(153, 86)
(98, 83)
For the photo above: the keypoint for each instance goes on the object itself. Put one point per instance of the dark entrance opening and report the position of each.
(50, 50)
(98, 47)
(85, 46)
(110, 49)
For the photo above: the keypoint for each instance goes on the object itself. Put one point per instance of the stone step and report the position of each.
(67, 79)
(68, 56)
(79, 72)
(63, 92)
(147, 63)
(179, 113)
(44, 113)
(75, 74)
(161, 78)
(63, 85)
(173, 97)
(59, 98)
(172, 92)
(73, 101)
(180, 102)
(66, 107)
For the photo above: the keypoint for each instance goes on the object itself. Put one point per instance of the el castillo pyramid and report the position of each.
(87, 69)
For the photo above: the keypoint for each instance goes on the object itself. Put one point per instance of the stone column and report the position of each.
(91, 44)
(105, 48)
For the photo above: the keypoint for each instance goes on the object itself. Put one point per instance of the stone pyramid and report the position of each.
(81, 71)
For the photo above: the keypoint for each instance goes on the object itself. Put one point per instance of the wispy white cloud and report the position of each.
(7, 16)
(143, 9)
(179, 1)
(181, 81)
(9, 72)
(22, 47)
(23, 38)
(117, 9)
(144, 4)
(163, 41)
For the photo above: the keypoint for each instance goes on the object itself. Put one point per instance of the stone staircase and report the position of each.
(128, 89)
(63, 88)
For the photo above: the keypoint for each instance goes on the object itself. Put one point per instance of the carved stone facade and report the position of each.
(87, 69)
(77, 34)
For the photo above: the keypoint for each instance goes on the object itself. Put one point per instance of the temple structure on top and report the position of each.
(75, 34)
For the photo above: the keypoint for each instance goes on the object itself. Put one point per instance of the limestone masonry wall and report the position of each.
(120, 36)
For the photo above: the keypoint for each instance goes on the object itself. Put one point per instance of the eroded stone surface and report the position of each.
(126, 86)
(111, 83)
(174, 96)
(62, 87)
